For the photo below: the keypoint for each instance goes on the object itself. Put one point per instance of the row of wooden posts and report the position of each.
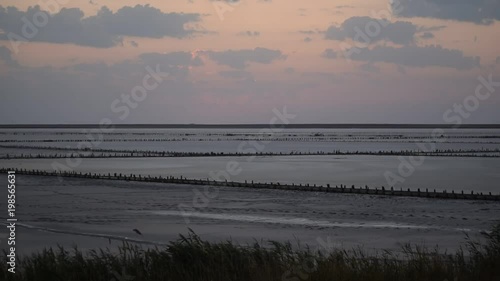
(276, 185)
(338, 151)
(139, 155)
(110, 153)
(274, 139)
(282, 135)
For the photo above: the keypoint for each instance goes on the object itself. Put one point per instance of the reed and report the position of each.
(190, 258)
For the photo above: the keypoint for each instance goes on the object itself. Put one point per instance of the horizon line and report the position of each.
(258, 126)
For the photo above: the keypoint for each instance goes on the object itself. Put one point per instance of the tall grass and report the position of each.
(190, 258)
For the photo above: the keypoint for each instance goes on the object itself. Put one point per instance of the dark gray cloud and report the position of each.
(174, 58)
(329, 54)
(6, 56)
(307, 31)
(239, 59)
(431, 28)
(324, 76)
(369, 67)
(427, 35)
(369, 30)
(401, 69)
(414, 56)
(249, 33)
(105, 29)
(175, 63)
(476, 11)
(86, 91)
(236, 74)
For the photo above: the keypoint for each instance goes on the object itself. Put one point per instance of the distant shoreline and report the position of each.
(253, 126)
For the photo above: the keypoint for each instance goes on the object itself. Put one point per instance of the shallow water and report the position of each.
(232, 146)
(101, 213)
(440, 173)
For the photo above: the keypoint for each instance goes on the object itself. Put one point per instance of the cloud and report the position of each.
(236, 74)
(476, 11)
(413, 56)
(307, 31)
(239, 59)
(323, 76)
(173, 58)
(86, 91)
(249, 33)
(344, 6)
(369, 67)
(401, 69)
(329, 54)
(431, 28)
(177, 64)
(369, 30)
(427, 35)
(6, 56)
(105, 29)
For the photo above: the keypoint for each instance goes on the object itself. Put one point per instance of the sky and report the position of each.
(228, 61)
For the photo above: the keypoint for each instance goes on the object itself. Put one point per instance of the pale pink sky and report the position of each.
(260, 55)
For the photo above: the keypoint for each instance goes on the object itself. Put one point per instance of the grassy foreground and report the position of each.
(190, 258)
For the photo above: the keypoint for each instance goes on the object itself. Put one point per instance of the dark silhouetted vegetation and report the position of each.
(191, 258)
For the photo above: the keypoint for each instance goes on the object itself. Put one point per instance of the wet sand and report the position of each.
(93, 213)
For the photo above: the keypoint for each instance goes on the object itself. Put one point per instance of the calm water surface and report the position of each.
(478, 174)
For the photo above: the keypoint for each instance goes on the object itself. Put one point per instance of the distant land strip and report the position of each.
(253, 126)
